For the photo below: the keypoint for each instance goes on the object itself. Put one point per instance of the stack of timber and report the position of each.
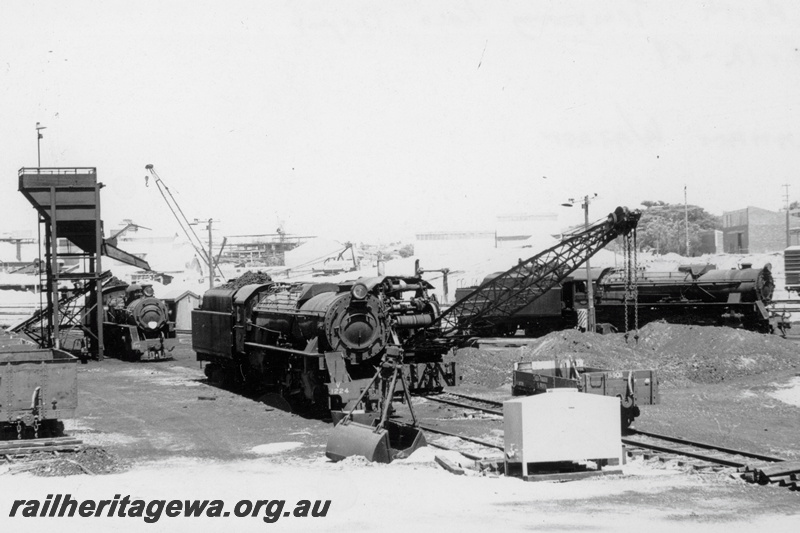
(783, 474)
(29, 446)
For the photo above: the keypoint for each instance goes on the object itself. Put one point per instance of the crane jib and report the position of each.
(533, 277)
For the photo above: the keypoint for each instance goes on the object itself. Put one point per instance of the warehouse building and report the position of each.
(755, 230)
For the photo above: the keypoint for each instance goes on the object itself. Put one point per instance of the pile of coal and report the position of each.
(248, 278)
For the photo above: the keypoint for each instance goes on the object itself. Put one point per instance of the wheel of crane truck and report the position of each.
(511, 332)
(217, 375)
(504, 330)
(51, 428)
(276, 401)
(628, 415)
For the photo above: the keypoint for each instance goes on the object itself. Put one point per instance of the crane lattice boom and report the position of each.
(518, 287)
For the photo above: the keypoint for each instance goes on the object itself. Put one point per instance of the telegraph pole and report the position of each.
(786, 200)
(39, 137)
(590, 322)
(208, 254)
(590, 325)
(686, 219)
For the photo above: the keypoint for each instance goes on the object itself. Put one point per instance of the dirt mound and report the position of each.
(681, 354)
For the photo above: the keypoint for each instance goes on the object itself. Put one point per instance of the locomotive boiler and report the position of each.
(137, 325)
(316, 344)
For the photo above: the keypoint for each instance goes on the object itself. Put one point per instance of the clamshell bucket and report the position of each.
(376, 444)
(382, 440)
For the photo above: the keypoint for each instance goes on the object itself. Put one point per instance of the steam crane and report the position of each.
(518, 287)
(205, 255)
(501, 296)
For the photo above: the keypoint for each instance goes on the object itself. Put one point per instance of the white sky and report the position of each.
(376, 120)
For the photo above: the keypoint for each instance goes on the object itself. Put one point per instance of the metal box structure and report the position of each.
(562, 426)
(791, 264)
(37, 385)
(67, 201)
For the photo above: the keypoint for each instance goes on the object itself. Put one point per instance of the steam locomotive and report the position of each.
(317, 344)
(137, 325)
(694, 294)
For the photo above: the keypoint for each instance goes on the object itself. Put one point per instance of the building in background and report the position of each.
(711, 242)
(180, 305)
(264, 250)
(755, 230)
(444, 243)
(17, 250)
(515, 229)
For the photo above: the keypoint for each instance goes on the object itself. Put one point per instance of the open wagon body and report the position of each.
(632, 387)
(37, 387)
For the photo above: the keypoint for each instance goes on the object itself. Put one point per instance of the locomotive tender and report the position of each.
(317, 344)
(137, 325)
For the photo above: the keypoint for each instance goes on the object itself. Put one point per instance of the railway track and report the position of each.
(753, 467)
(491, 407)
(710, 453)
(469, 403)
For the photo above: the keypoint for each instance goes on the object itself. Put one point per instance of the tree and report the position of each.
(406, 251)
(662, 227)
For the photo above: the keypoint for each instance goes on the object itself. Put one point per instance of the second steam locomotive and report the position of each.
(317, 344)
(137, 325)
(693, 294)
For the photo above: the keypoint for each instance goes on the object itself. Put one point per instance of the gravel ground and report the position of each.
(160, 430)
(682, 355)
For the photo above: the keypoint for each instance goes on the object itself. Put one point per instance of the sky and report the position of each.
(373, 121)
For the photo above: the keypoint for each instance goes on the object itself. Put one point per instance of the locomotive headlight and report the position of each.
(359, 291)
(152, 324)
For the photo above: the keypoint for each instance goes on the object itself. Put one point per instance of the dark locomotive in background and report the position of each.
(317, 344)
(694, 294)
(137, 325)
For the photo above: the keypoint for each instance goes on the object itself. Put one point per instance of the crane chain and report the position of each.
(635, 284)
(631, 260)
(626, 263)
